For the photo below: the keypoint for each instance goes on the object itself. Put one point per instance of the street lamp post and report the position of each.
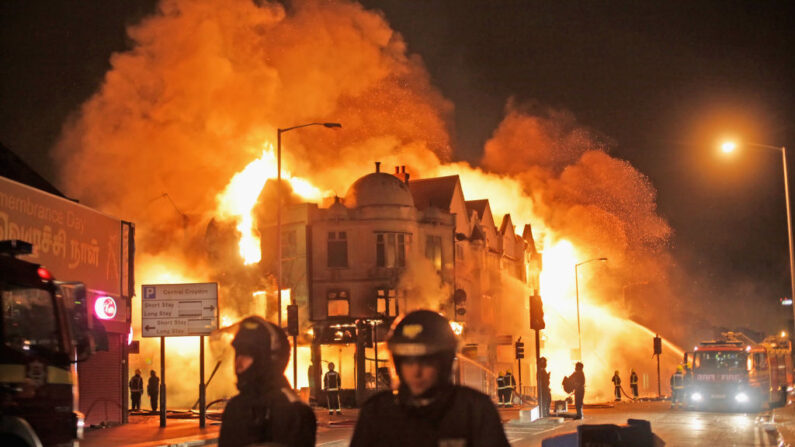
(279, 133)
(729, 147)
(577, 292)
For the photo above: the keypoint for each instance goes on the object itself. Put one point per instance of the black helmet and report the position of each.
(422, 333)
(264, 341)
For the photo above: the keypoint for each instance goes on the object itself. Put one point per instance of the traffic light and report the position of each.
(657, 345)
(519, 345)
(536, 313)
(292, 319)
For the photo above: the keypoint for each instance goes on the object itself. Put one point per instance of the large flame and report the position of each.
(239, 197)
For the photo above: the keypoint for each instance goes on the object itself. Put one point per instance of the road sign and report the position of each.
(175, 310)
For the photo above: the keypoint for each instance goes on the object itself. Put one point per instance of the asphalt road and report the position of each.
(675, 427)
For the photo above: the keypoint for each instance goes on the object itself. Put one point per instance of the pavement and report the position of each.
(784, 419)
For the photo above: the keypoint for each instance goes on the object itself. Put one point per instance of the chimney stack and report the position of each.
(397, 170)
(378, 166)
(407, 177)
(403, 169)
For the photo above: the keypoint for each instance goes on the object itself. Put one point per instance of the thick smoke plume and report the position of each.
(206, 84)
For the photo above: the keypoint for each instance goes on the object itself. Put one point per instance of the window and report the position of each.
(390, 249)
(433, 251)
(29, 320)
(720, 360)
(337, 249)
(338, 303)
(386, 302)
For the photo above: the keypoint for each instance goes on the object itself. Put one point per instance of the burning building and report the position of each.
(392, 245)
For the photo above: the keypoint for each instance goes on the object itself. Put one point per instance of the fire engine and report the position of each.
(41, 337)
(737, 373)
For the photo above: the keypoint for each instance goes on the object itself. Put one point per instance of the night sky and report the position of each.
(663, 80)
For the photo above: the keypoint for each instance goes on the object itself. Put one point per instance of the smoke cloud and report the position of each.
(205, 85)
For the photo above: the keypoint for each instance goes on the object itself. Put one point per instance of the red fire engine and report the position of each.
(737, 373)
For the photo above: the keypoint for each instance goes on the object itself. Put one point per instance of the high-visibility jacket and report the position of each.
(616, 380)
(678, 381)
(501, 382)
(633, 379)
(331, 381)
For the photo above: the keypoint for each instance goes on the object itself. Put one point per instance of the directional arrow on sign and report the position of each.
(210, 307)
(149, 328)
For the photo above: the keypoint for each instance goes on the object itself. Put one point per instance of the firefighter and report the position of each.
(332, 383)
(677, 387)
(633, 383)
(153, 388)
(427, 409)
(136, 390)
(578, 383)
(500, 389)
(510, 384)
(266, 411)
(546, 393)
(617, 386)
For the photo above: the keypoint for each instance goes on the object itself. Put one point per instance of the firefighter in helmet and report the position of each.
(500, 389)
(677, 387)
(331, 383)
(617, 386)
(510, 384)
(266, 411)
(633, 383)
(428, 409)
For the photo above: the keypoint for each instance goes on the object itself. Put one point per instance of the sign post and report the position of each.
(178, 310)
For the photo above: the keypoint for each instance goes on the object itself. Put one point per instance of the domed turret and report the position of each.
(378, 189)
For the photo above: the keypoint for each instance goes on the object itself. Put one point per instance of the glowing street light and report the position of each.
(577, 292)
(728, 147)
(783, 150)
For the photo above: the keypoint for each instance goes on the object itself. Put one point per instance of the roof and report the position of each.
(378, 188)
(477, 205)
(506, 220)
(12, 167)
(436, 192)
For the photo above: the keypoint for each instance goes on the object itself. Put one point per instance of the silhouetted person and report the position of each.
(428, 410)
(617, 386)
(578, 382)
(677, 387)
(633, 383)
(266, 412)
(152, 389)
(136, 390)
(332, 382)
(546, 393)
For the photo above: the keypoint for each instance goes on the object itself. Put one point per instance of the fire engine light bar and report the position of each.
(786, 301)
(741, 397)
(696, 397)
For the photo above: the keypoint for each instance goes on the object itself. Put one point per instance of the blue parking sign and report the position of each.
(150, 292)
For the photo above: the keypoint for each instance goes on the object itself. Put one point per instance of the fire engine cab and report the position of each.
(737, 373)
(41, 337)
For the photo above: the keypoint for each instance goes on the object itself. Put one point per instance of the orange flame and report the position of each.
(240, 195)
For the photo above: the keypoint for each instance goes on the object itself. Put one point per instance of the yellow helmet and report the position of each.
(679, 368)
(616, 373)
(501, 373)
